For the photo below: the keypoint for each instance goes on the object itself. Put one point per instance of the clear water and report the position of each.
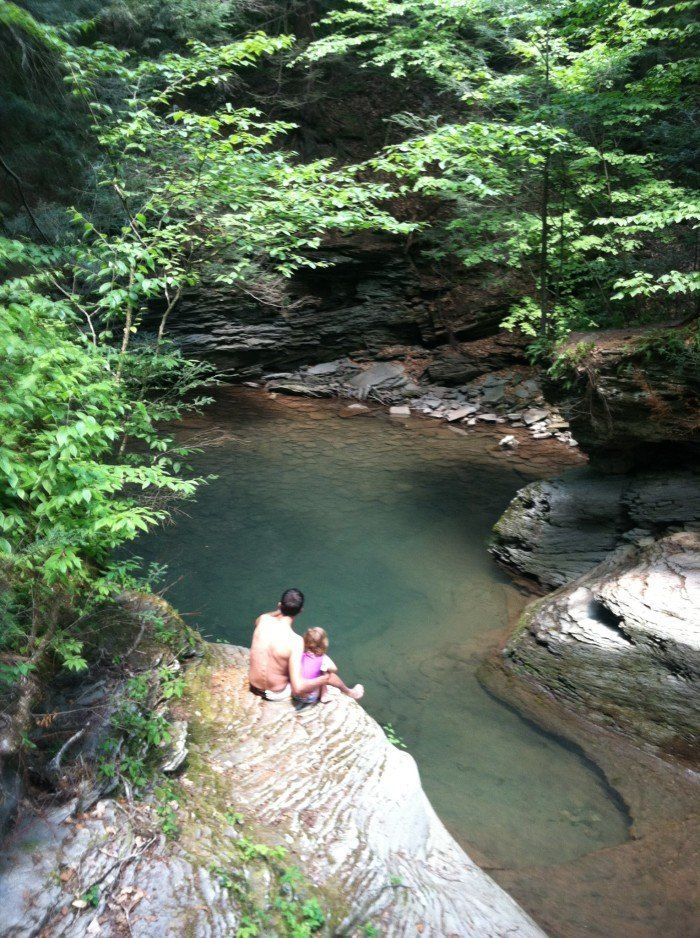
(384, 524)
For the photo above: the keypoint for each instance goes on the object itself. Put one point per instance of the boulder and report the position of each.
(554, 531)
(324, 782)
(624, 393)
(621, 643)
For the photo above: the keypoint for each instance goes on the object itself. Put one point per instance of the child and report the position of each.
(315, 662)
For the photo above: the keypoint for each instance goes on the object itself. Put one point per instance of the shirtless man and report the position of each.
(275, 653)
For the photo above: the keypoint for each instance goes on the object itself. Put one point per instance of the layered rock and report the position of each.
(458, 363)
(553, 531)
(371, 297)
(622, 642)
(627, 390)
(323, 782)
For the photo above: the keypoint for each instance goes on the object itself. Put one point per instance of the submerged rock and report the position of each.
(622, 642)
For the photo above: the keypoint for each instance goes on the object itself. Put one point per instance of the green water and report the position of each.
(384, 524)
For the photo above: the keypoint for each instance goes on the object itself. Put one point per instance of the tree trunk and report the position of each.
(544, 250)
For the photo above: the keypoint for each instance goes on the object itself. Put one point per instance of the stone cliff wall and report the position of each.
(554, 531)
(632, 396)
(621, 643)
(618, 638)
(374, 296)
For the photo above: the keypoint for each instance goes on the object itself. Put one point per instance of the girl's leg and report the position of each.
(355, 692)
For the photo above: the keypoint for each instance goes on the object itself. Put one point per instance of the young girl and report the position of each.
(315, 662)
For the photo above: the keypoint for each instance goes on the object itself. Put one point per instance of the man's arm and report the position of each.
(302, 686)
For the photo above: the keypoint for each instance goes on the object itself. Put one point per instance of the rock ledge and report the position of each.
(323, 782)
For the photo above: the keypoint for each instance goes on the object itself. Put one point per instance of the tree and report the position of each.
(186, 185)
(557, 167)
(67, 501)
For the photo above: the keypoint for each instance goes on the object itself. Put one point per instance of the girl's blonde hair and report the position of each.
(316, 641)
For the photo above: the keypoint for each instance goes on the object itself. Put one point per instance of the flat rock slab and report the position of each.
(378, 375)
(461, 412)
(325, 368)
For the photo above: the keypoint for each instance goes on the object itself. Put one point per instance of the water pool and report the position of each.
(384, 524)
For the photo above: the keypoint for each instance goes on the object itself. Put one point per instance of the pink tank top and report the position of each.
(311, 665)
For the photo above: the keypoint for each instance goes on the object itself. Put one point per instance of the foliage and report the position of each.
(675, 349)
(140, 730)
(91, 896)
(200, 193)
(393, 736)
(168, 798)
(370, 930)
(71, 492)
(292, 912)
(564, 367)
(568, 164)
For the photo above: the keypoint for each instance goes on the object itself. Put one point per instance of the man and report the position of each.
(275, 653)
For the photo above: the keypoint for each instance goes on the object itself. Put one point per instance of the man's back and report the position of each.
(270, 650)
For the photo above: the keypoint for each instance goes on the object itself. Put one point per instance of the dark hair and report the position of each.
(291, 602)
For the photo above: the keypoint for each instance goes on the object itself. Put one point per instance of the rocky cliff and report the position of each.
(618, 638)
(621, 643)
(631, 395)
(266, 790)
(556, 530)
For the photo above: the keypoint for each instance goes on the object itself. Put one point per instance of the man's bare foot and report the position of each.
(356, 692)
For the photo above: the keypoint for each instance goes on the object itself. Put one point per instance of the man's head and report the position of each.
(292, 602)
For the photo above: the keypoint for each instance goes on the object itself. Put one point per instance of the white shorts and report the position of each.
(283, 694)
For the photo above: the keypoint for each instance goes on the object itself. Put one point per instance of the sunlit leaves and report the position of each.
(608, 83)
(66, 499)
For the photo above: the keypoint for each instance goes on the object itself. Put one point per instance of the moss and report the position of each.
(246, 856)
